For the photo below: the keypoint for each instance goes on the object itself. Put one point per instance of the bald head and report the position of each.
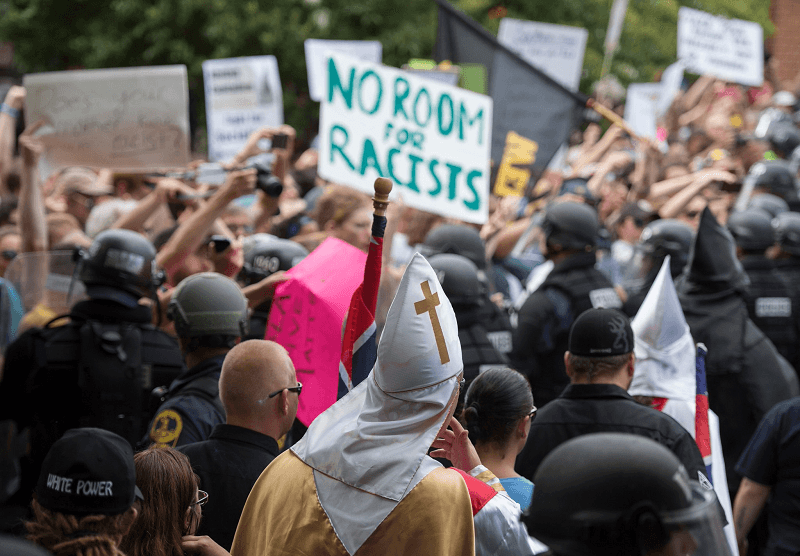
(251, 371)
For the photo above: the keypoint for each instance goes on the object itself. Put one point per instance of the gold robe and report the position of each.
(283, 516)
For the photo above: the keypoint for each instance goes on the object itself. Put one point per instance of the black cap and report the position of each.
(601, 333)
(88, 471)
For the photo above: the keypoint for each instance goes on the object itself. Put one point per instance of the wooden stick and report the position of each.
(380, 201)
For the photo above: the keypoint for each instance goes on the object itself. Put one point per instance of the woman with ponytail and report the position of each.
(498, 409)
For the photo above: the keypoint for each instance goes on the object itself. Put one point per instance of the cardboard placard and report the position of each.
(125, 118)
(316, 54)
(242, 96)
(432, 140)
(515, 168)
(730, 49)
(557, 50)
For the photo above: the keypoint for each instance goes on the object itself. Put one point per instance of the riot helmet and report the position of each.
(120, 266)
(573, 226)
(459, 278)
(209, 305)
(621, 494)
(775, 176)
(786, 230)
(769, 203)
(751, 230)
(265, 258)
(456, 238)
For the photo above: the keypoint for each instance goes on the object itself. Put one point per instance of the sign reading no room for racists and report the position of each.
(432, 140)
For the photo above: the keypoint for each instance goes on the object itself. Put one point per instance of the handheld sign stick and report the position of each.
(380, 201)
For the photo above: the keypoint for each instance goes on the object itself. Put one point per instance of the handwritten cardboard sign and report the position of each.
(730, 49)
(127, 118)
(515, 168)
(306, 318)
(317, 53)
(242, 96)
(432, 140)
(557, 50)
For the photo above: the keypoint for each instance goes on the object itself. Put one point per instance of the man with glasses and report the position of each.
(260, 393)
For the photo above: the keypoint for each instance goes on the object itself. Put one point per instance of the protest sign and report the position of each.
(128, 118)
(316, 55)
(730, 49)
(515, 168)
(306, 318)
(557, 50)
(242, 96)
(432, 140)
(641, 104)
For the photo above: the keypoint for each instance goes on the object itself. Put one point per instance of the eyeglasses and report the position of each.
(298, 389)
(202, 498)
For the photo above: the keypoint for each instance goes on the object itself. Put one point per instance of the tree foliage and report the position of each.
(54, 35)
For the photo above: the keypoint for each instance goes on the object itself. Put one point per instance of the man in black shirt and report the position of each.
(260, 393)
(600, 366)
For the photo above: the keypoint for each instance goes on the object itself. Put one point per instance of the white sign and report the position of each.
(317, 51)
(113, 118)
(641, 104)
(730, 49)
(242, 96)
(432, 140)
(557, 50)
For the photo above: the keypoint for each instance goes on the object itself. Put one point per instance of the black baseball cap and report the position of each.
(601, 333)
(88, 471)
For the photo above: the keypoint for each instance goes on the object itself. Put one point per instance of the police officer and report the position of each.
(659, 239)
(459, 239)
(262, 259)
(573, 286)
(622, 495)
(459, 279)
(210, 315)
(98, 368)
(745, 373)
(768, 297)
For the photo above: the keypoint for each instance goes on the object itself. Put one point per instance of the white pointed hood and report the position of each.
(375, 438)
(664, 349)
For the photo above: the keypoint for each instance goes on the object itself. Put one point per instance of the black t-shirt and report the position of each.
(772, 458)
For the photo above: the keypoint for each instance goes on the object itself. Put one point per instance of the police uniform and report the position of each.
(192, 407)
(540, 339)
(50, 403)
(228, 464)
(591, 408)
(771, 306)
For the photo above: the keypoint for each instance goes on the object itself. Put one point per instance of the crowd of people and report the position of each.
(608, 365)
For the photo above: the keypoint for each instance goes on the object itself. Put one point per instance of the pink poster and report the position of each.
(306, 318)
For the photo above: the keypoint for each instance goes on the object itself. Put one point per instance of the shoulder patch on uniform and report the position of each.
(605, 298)
(166, 428)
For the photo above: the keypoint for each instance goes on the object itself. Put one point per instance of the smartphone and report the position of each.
(220, 243)
(279, 141)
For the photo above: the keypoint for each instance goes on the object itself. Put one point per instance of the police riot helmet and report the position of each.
(786, 230)
(570, 225)
(265, 258)
(456, 238)
(120, 265)
(769, 203)
(208, 304)
(751, 229)
(775, 176)
(667, 237)
(459, 278)
(621, 494)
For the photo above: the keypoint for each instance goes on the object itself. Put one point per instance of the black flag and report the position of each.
(526, 100)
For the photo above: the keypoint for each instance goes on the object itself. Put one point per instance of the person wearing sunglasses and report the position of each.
(260, 393)
(498, 410)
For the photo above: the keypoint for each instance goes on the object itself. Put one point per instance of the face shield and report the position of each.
(696, 530)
